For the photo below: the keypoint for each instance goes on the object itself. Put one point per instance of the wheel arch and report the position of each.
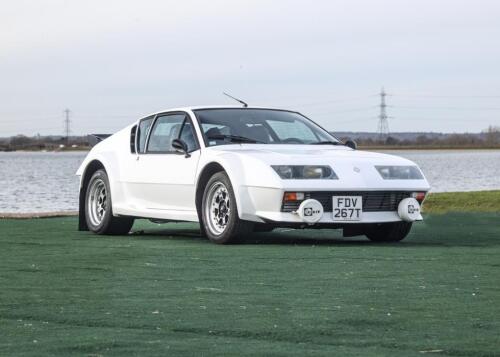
(208, 171)
(90, 169)
(240, 175)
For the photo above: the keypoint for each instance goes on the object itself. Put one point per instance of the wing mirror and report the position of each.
(351, 144)
(180, 146)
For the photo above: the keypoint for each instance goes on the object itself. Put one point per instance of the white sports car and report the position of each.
(238, 169)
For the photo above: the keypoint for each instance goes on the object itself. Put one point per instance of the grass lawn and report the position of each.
(165, 291)
(480, 201)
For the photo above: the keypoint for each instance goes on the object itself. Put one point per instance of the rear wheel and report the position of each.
(98, 208)
(388, 232)
(219, 212)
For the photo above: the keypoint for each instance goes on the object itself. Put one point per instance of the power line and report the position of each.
(444, 108)
(446, 96)
(352, 121)
(333, 101)
(347, 110)
(437, 119)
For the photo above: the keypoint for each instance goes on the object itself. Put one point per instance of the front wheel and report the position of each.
(388, 232)
(219, 212)
(98, 208)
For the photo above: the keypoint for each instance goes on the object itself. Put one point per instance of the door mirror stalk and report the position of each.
(351, 144)
(181, 147)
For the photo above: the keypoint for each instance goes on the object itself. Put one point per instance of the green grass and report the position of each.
(165, 291)
(480, 201)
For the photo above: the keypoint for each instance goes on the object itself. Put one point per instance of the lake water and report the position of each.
(38, 181)
(46, 182)
(457, 170)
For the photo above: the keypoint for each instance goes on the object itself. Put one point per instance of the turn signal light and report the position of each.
(419, 196)
(293, 196)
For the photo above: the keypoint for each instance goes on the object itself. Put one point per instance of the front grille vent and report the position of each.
(373, 201)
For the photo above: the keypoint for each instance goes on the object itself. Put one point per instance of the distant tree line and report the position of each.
(489, 138)
(39, 143)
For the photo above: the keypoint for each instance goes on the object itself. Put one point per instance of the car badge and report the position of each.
(356, 169)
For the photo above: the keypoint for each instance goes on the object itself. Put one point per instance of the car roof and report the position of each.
(199, 107)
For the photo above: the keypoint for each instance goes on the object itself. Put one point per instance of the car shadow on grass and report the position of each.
(449, 230)
(277, 237)
(168, 234)
(418, 239)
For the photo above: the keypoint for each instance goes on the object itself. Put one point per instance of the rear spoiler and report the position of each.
(95, 139)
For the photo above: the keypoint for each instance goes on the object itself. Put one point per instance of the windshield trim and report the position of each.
(195, 111)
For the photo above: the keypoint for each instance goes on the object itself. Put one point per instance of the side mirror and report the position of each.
(180, 146)
(351, 143)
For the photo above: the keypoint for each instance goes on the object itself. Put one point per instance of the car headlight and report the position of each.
(399, 172)
(301, 172)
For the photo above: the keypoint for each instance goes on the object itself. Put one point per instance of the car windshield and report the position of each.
(259, 126)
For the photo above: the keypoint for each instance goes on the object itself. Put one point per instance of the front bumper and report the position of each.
(327, 218)
(260, 204)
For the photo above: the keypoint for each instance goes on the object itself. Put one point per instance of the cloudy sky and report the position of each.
(111, 61)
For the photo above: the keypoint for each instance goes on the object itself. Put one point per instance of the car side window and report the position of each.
(166, 128)
(133, 139)
(142, 134)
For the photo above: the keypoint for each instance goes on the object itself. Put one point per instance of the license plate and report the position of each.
(347, 208)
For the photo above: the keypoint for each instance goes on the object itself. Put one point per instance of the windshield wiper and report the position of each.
(327, 143)
(235, 138)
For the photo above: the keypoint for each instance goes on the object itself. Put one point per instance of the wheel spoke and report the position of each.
(217, 208)
(97, 202)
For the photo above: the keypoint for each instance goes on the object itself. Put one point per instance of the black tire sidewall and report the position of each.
(103, 226)
(228, 236)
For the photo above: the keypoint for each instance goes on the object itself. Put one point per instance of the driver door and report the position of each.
(164, 178)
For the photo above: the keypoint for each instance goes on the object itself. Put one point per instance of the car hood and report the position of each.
(303, 154)
(354, 168)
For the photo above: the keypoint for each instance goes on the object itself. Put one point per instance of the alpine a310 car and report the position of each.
(236, 170)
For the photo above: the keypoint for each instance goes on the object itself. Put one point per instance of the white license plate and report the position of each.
(347, 208)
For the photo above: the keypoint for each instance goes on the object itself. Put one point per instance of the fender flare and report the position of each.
(93, 164)
(208, 170)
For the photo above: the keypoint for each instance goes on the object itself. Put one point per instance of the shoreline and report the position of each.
(426, 148)
(30, 215)
(45, 151)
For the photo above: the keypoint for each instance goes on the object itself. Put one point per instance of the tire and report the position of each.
(219, 214)
(98, 208)
(388, 232)
(263, 227)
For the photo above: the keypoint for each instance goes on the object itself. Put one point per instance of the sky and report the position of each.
(112, 62)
